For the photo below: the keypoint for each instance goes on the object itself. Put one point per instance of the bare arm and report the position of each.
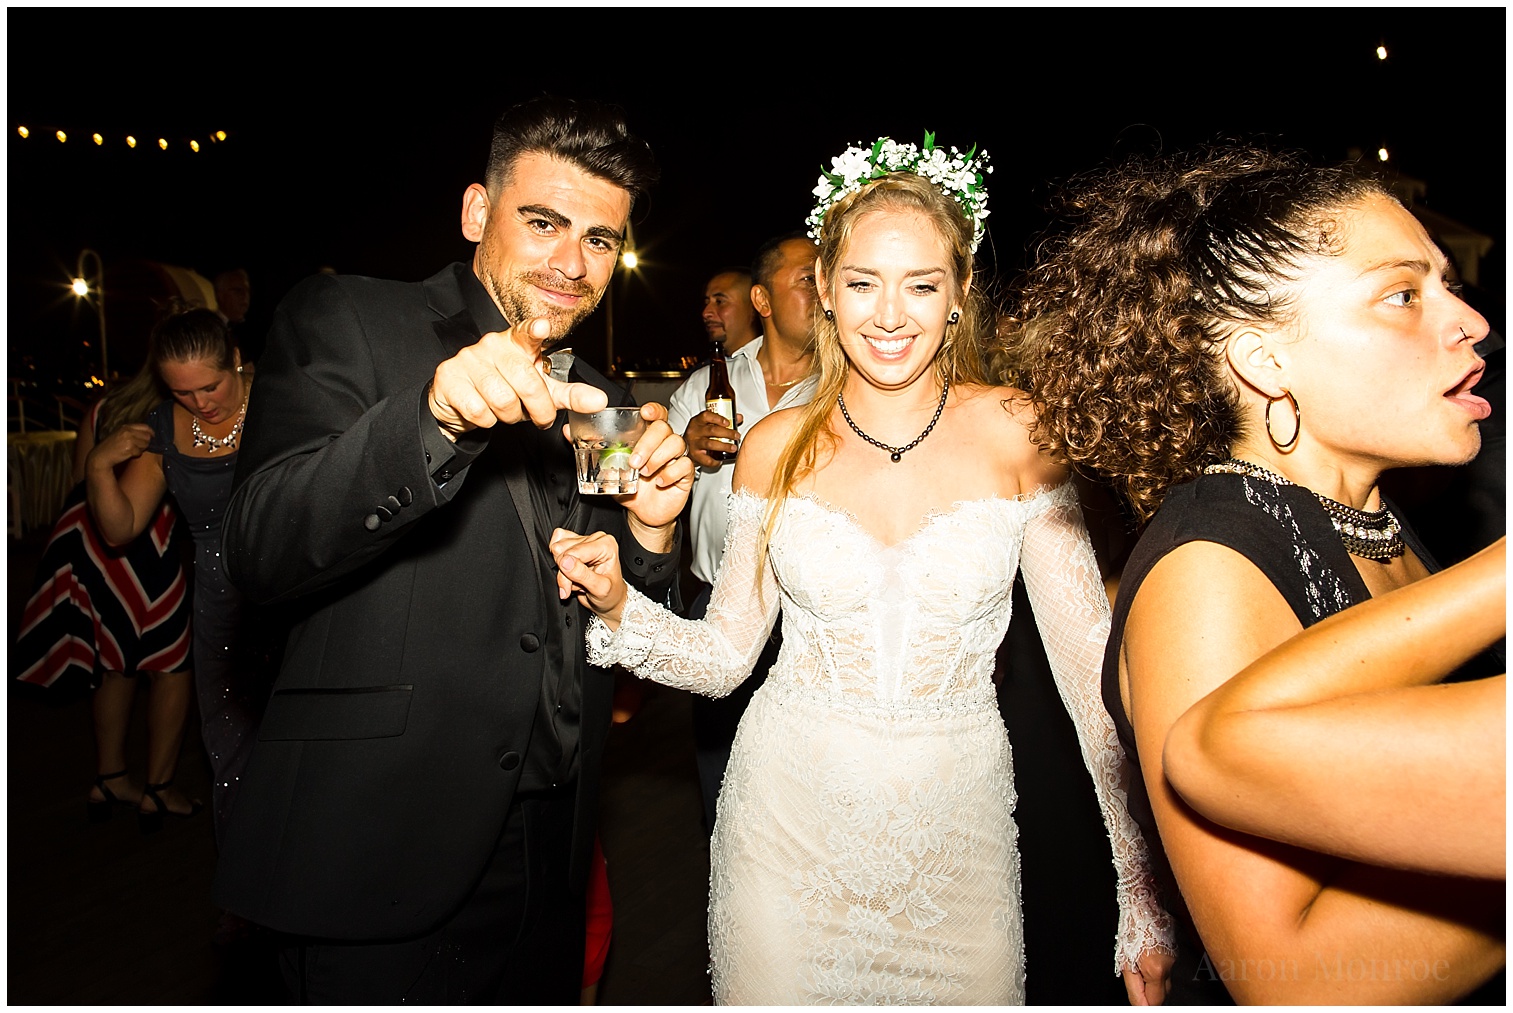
(1336, 741)
(1203, 614)
(123, 503)
(85, 442)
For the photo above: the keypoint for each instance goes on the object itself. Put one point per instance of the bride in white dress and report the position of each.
(864, 848)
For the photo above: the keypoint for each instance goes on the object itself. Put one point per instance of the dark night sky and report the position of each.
(352, 148)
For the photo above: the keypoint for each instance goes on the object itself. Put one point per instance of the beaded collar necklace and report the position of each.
(1370, 534)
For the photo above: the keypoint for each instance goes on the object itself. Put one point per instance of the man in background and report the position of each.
(768, 373)
(728, 314)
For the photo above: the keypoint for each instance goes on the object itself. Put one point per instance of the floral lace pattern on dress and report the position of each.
(865, 849)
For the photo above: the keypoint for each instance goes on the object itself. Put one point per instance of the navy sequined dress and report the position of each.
(225, 682)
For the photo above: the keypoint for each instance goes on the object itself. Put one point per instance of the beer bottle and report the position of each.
(720, 397)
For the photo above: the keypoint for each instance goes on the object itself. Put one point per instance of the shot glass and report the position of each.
(603, 442)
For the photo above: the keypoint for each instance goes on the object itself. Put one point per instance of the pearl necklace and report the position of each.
(1370, 534)
(897, 453)
(228, 442)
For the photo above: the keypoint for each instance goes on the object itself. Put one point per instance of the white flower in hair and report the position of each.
(959, 176)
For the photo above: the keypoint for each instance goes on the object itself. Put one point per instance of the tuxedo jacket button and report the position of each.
(529, 643)
(509, 761)
(371, 522)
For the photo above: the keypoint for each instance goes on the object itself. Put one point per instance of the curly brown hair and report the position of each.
(1125, 315)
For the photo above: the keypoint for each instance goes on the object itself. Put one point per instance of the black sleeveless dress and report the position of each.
(1285, 533)
(228, 687)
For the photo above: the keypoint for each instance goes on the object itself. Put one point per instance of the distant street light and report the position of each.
(1381, 52)
(83, 289)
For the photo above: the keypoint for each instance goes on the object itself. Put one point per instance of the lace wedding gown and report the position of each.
(864, 850)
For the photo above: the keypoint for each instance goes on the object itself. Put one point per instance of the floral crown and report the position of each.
(959, 176)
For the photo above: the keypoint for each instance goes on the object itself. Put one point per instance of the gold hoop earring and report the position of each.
(1297, 420)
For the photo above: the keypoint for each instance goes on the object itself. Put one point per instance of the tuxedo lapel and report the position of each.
(452, 297)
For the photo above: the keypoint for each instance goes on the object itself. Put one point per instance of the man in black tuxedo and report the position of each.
(418, 811)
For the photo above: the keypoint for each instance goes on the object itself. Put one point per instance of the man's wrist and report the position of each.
(659, 539)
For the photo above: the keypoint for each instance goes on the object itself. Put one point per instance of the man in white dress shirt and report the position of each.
(728, 314)
(768, 373)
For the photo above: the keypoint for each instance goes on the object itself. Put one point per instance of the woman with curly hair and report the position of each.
(1241, 344)
(864, 844)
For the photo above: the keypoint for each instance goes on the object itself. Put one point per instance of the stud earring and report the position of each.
(955, 317)
(829, 314)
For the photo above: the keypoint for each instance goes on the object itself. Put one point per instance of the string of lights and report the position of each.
(1381, 57)
(63, 135)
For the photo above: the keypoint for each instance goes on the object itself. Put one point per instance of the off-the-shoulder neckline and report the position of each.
(1023, 500)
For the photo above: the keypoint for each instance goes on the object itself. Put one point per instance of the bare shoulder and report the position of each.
(762, 447)
(1006, 413)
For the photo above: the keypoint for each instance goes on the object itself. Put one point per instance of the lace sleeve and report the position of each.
(714, 655)
(1072, 612)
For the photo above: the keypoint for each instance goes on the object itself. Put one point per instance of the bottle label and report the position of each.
(724, 407)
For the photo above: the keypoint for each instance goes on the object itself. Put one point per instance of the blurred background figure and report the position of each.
(102, 614)
(233, 299)
(233, 295)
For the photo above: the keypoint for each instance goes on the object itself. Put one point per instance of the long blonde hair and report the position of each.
(960, 359)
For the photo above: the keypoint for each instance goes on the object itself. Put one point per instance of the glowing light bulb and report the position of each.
(131, 142)
(220, 135)
(80, 287)
(194, 145)
(1381, 52)
(163, 143)
(1381, 154)
(97, 138)
(23, 132)
(630, 259)
(62, 137)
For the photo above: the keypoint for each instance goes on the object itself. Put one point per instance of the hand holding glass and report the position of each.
(603, 443)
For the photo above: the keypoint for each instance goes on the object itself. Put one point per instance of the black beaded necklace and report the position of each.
(897, 453)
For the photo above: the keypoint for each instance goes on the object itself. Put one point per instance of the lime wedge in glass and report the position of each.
(615, 456)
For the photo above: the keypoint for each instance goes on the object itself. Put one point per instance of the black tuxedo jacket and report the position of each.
(396, 733)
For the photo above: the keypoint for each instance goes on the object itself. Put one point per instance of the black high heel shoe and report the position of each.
(151, 823)
(101, 810)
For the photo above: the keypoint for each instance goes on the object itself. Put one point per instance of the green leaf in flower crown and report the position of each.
(929, 141)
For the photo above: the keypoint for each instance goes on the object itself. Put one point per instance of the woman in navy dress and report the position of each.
(187, 448)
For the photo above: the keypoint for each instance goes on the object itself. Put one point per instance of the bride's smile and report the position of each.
(892, 296)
